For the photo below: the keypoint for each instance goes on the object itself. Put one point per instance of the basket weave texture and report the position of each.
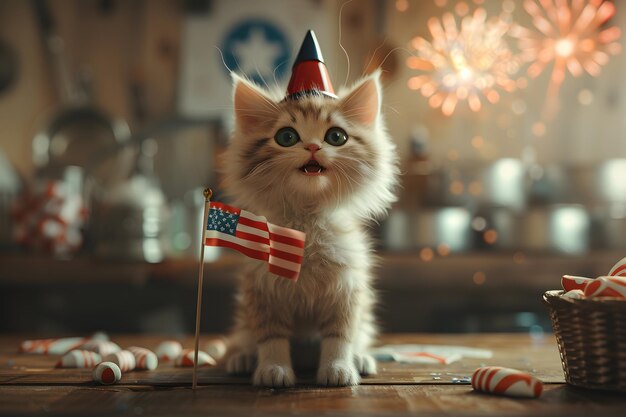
(591, 334)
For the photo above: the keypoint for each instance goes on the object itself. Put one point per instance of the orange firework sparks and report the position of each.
(466, 60)
(570, 33)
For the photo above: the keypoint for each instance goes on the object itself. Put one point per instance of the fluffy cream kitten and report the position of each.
(327, 167)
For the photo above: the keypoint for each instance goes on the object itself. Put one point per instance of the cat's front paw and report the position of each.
(274, 376)
(365, 364)
(241, 363)
(338, 374)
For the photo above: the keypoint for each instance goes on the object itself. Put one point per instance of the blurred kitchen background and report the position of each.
(510, 119)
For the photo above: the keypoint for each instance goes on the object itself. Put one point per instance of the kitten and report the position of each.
(326, 167)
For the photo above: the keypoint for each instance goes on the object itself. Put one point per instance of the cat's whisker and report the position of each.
(392, 108)
(363, 73)
(340, 44)
(222, 57)
(274, 73)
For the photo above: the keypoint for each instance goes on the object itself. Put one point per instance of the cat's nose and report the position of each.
(312, 147)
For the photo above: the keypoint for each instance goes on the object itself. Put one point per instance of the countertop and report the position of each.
(30, 385)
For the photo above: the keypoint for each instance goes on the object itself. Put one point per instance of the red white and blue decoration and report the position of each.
(282, 248)
(309, 73)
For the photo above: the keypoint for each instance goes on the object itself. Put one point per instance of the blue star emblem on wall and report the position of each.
(257, 48)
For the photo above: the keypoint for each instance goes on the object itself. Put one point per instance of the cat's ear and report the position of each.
(255, 111)
(362, 103)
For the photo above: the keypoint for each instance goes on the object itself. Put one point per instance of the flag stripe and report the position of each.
(252, 223)
(287, 240)
(251, 237)
(286, 248)
(214, 234)
(286, 273)
(246, 251)
(225, 207)
(284, 231)
(284, 264)
(254, 236)
(285, 255)
(253, 217)
(255, 231)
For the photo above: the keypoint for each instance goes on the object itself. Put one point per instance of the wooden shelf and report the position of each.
(396, 270)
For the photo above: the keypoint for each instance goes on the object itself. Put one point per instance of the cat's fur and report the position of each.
(332, 302)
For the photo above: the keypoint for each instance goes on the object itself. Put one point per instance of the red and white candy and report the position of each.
(124, 359)
(78, 358)
(52, 346)
(506, 381)
(603, 287)
(187, 356)
(49, 216)
(216, 348)
(103, 347)
(144, 358)
(619, 269)
(107, 373)
(571, 282)
(169, 350)
(574, 294)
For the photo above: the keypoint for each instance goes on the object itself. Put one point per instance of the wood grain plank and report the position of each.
(357, 401)
(537, 356)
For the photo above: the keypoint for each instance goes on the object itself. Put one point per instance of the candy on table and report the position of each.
(574, 294)
(78, 358)
(124, 359)
(59, 346)
(169, 350)
(603, 287)
(570, 282)
(49, 216)
(216, 348)
(144, 358)
(107, 373)
(100, 336)
(619, 269)
(187, 356)
(506, 381)
(103, 347)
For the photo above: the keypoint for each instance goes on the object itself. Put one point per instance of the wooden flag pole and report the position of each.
(208, 193)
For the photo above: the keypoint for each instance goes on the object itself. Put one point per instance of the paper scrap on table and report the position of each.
(441, 354)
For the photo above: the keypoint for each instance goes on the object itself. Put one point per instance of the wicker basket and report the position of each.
(591, 334)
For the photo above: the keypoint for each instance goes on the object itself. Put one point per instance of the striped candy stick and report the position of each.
(619, 269)
(144, 358)
(169, 350)
(103, 347)
(58, 346)
(78, 358)
(124, 359)
(107, 373)
(506, 381)
(186, 358)
(571, 282)
(614, 286)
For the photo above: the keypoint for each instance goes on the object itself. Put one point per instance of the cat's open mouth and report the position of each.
(312, 168)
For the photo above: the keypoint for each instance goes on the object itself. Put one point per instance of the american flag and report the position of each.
(282, 248)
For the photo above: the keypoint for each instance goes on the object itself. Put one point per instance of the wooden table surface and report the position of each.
(30, 385)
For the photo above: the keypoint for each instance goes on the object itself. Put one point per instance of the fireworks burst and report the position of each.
(466, 60)
(570, 33)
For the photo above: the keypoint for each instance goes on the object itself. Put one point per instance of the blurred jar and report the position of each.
(129, 222)
(10, 185)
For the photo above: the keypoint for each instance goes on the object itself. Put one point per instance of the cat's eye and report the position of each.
(287, 136)
(336, 136)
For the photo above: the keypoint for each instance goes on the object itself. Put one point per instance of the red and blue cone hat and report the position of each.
(309, 75)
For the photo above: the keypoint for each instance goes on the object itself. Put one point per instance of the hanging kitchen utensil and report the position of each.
(78, 130)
